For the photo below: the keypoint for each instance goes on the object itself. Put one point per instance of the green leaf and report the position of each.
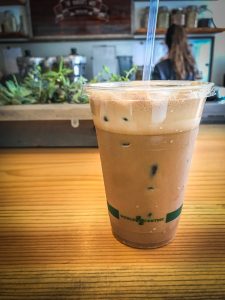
(29, 101)
(67, 71)
(11, 86)
(9, 94)
(4, 99)
(133, 70)
(61, 65)
(15, 81)
(24, 92)
(50, 74)
(106, 69)
(15, 102)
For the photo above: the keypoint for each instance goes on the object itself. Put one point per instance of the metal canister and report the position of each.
(77, 63)
(177, 17)
(27, 63)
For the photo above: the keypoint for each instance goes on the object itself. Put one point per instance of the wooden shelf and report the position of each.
(12, 2)
(17, 36)
(205, 30)
(188, 30)
(86, 37)
(41, 112)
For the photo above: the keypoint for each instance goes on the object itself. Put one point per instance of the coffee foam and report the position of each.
(138, 110)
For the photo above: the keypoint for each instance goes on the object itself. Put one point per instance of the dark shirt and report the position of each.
(164, 71)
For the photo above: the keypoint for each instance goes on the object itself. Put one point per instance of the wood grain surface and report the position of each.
(54, 112)
(55, 238)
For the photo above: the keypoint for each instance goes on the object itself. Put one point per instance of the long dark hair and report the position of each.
(179, 52)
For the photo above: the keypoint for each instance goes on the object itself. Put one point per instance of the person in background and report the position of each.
(179, 64)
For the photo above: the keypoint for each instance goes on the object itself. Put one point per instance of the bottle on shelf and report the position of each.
(163, 20)
(177, 17)
(205, 17)
(9, 22)
(192, 16)
(144, 17)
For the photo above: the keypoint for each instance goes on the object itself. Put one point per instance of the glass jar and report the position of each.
(9, 22)
(192, 16)
(204, 12)
(177, 17)
(163, 17)
(144, 17)
(205, 17)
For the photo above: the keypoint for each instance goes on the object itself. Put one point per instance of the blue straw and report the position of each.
(150, 40)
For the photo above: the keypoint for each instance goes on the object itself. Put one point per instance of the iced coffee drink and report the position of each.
(146, 133)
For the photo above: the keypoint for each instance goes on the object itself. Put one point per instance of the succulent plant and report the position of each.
(106, 75)
(14, 93)
(53, 86)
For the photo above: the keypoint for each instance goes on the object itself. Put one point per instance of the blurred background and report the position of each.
(90, 34)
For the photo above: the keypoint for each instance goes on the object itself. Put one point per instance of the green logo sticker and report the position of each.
(173, 215)
(113, 211)
(142, 220)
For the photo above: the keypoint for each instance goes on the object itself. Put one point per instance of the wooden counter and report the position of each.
(55, 239)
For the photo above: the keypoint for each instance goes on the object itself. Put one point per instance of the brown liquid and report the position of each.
(144, 178)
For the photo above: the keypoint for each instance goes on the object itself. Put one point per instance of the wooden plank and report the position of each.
(45, 112)
(86, 37)
(42, 112)
(188, 30)
(56, 241)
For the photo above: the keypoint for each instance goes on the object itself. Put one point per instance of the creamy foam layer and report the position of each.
(157, 107)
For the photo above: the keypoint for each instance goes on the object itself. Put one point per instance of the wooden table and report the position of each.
(55, 239)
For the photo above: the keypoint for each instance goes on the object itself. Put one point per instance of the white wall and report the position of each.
(126, 47)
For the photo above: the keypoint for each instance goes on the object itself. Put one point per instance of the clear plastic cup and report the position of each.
(146, 134)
